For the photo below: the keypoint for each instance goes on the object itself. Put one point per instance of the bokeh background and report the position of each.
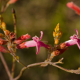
(34, 16)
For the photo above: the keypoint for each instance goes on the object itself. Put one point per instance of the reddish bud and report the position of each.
(62, 45)
(12, 1)
(7, 32)
(21, 46)
(3, 26)
(3, 49)
(56, 53)
(74, 7)
(22, 38)
(3, 42)
(1, 35)
(12, 35)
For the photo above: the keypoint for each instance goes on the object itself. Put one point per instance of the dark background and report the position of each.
(34, 16)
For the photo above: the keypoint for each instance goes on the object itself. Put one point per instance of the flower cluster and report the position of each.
(32, 43)
(9, 43)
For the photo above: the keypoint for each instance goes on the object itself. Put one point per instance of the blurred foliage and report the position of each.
(34, 16)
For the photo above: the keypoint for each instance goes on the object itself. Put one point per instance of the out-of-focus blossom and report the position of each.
(3, 26)
(74, 7)
(12, 36)
(12, 1)
(1, 35)
(22, 38)
(35, 42)
(7, 32)
(74, 40)
(3, 49)
(3, 42)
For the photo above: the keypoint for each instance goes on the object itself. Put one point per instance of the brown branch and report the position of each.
(50, 63)
(5, 65)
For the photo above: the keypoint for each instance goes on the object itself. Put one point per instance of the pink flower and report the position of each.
(74, 7)
(74, 40)
(35, 42)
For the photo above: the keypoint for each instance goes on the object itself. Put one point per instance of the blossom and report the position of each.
(74, 40)
(32, 43)
(22, 38)
(74, 7)
(3, 42)
(12, 1)
(3, 49)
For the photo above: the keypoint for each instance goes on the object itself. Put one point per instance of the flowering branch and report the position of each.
(13, 43)
(50, 63)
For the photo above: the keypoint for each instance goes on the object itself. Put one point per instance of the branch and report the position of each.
(5, 65)
(50, 63)
(14, 20)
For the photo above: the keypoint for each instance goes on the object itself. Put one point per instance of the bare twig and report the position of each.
(50, 63)
(14, 20)
(5, 65)
(24, 68)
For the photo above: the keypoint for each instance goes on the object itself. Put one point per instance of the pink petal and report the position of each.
(36, 39)
(41, 35)
(38, 48)
(77, 32)
(43, 45)
(70, 42)
(31, 43)
(78, 44)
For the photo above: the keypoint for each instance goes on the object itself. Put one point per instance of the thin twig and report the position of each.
(15, 31)
(14, 21)
(50, 63)
(5, 65)
(24, 68)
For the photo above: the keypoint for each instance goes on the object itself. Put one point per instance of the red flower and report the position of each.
(74, 7)
(12, 1)
(3, 49)
(22, 38)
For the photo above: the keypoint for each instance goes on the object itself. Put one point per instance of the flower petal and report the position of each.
(38, 48)
(77, 32)
(78, 44)
(31, 43)
(70, 42)
(41, 35)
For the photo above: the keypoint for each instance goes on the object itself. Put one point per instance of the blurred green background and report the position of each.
(34, 16)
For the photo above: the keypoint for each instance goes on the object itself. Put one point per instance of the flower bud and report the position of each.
(57, 28)
(3, 49)
(54, 34)
(1, 35)
(11, 1)
(63, 45)
(3, 42)
(56, 41)
(3, 26)
(22, 38)
(7, 32)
